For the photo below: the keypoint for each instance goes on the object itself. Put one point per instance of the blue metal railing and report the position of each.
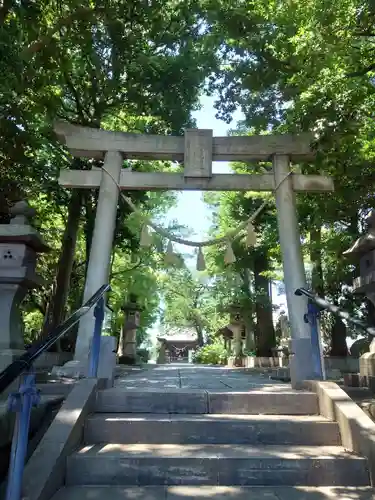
(314, 306)
(95, 346)
(27, 395)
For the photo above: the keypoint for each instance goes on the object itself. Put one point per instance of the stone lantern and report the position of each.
(127, 348)
(236, 324)
(19, 246)
(285, 339)
(363, 250)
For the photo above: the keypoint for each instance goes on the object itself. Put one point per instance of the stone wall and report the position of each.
(344, 365)
(259, 362)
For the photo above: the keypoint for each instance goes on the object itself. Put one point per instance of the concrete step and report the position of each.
(152, 401)
(285, 402)
(214, 492)
(148, 464)
(133, 428)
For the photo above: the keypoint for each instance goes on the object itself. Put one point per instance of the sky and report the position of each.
(187, 200)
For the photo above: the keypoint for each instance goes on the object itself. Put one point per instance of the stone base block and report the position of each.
(358, 380)
(236, 362)
(335, 367)
(354, 380)
(369, 382)
(367, 364)
(7, 356)
(333, 374)
(259, 362)
(344, 364)
(77, 369)
(284, 374)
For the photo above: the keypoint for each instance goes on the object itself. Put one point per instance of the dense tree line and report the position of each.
(290, 66)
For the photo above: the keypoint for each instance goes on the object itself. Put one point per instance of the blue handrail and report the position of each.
(328, 306)
(27, 395)
(24, 362)
(314, 306)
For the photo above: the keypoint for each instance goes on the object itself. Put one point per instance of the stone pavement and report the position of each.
(188, 376)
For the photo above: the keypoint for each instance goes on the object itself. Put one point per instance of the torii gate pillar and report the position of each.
(301, 361)
(101, 247)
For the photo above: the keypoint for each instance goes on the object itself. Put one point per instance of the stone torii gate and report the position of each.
(197, 149)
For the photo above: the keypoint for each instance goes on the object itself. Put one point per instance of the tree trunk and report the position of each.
(248, 312)
(199, 331)
(338, 339)
(316, 259)
(56, 308)
(266, 338)
(250, 331)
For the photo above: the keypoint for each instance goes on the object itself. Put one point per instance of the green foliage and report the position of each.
(211, 354)
(143, 355)
(292, 67)
(134, 67)
(189, 301)
(32, 321)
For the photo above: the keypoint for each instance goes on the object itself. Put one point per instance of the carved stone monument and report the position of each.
(363, 250)
(19, 247)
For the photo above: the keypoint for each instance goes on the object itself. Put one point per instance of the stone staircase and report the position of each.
(156, 444)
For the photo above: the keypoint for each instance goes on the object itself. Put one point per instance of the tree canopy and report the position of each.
(289, 66)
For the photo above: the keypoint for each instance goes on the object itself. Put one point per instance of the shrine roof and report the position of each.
(179, 335)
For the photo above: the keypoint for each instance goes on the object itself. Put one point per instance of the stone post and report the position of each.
(127, 349)
(19, 246)
(236, 325)
(162, 357)
(285, 340)
(250, 339)
(237, 341)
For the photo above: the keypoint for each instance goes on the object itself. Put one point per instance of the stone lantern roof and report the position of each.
(227, 333)
(19, 229)
(231, 308)
(365, 243)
